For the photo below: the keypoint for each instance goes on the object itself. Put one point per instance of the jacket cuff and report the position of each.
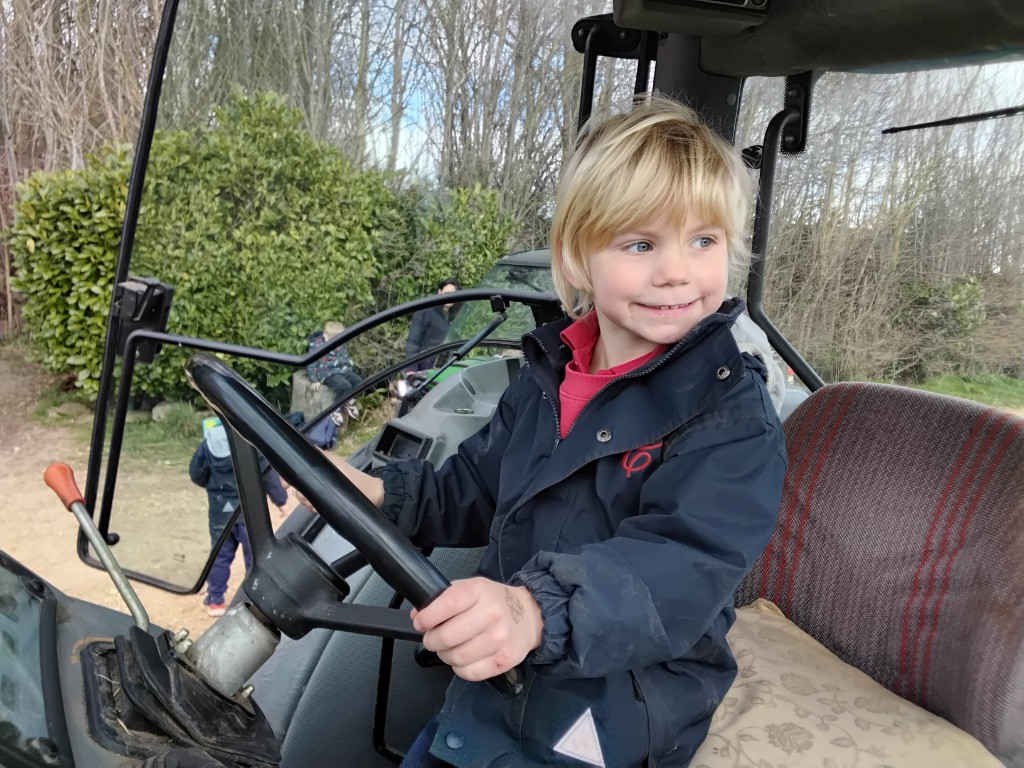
(554, 611)
(397, 497)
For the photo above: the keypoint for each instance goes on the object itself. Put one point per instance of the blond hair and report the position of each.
(332, 328)
(631, 169)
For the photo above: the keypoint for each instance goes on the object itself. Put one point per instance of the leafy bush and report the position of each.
(459, 233)
(64, 242)
(944, 316)
(264, 234)
(999, 391)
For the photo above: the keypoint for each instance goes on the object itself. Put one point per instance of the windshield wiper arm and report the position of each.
(461, 352)
(1008, 112)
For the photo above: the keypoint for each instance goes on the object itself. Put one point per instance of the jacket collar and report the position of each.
(544, 348)
(601, 431)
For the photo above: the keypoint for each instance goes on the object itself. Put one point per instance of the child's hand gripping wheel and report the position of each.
(335, 498)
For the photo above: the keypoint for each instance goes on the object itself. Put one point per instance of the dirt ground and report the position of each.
(164, 533)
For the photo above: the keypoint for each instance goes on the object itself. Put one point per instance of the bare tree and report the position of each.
(72, 76)
(863, 223)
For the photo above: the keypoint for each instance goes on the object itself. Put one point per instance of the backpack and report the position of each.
(323, 435)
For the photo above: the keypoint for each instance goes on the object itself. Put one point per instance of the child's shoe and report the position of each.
(214, 609)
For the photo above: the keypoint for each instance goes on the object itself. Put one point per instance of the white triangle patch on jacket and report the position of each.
(580, 741)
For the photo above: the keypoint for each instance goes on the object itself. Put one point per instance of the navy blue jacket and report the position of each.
(336, 361)
(632, 533)
(217, 476)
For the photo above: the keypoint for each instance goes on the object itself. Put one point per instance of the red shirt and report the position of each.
(579, 386)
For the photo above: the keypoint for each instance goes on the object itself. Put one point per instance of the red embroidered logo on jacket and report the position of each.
(638, 459)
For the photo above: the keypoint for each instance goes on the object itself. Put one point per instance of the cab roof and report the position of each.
(537, 258)
(746, 38)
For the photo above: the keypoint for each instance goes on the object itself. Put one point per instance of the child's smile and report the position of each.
(669, 310)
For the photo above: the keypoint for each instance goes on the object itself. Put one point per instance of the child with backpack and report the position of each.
(211, 468)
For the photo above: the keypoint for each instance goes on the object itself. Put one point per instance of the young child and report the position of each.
(335, 369)
(211, 468)
(629, 477)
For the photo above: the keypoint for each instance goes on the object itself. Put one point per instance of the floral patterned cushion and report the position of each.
(795, 704)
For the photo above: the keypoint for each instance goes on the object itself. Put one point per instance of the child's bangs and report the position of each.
(663, 182)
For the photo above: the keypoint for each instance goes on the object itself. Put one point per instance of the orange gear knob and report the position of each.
(61, 480)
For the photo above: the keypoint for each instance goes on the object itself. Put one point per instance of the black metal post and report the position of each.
(589, 76)
(643, 63)
(759, 244)
(124, 250)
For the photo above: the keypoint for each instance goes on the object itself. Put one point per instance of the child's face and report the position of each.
(653, 284)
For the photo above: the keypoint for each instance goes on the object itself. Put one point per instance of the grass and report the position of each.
(999, 391)
(173, 440)
(376, 410)
(170, 441)
(54, 395)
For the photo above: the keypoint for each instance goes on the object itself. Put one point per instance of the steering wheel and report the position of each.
(342, 506)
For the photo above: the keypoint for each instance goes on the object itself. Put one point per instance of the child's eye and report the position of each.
(640, 246)
(703, 241)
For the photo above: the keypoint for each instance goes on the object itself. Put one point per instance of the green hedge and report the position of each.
(64, 241)
(264, 234)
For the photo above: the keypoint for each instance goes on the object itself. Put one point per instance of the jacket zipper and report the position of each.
(558, 432)
(547, 395)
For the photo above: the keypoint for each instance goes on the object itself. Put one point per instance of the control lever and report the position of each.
(61, 480)
(165, 694)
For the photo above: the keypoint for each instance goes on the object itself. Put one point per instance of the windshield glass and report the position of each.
(22, 715)
(471, 318)
(896, 256)
(312, 165)
(520, 277)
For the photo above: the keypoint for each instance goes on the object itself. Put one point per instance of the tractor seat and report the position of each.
(900, 548)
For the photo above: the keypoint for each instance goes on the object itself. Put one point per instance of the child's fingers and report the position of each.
(477, 660)
(467, 654)
(458, 630)
(460, 596)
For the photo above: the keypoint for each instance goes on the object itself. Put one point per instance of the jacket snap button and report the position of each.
(604, 435)
(722, 373)
(454, 740)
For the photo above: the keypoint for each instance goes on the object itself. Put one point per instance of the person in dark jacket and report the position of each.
(210, 468)
(629, 477)
(429, 326)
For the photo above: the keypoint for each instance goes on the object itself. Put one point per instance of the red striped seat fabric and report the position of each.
(900, 547)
